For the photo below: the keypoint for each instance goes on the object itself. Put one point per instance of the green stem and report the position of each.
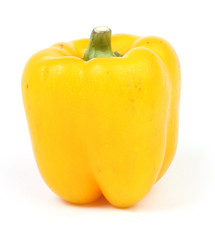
(100, 44)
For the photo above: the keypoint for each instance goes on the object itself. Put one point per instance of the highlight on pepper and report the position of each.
(103, 115)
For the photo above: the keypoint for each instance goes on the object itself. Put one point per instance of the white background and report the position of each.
(181, 205)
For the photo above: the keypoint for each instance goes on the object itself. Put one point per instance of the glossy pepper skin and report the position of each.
(104, 126)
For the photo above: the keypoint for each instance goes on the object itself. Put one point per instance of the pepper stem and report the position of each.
(100, 44)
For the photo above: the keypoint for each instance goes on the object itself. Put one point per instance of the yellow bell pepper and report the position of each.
(103, 121)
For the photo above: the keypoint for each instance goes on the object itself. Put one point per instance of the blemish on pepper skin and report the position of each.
(27, 86)
(132, 100)
(61, 46)
(147, 42)
(138, 88)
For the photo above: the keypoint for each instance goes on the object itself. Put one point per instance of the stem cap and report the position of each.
(100, 44)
